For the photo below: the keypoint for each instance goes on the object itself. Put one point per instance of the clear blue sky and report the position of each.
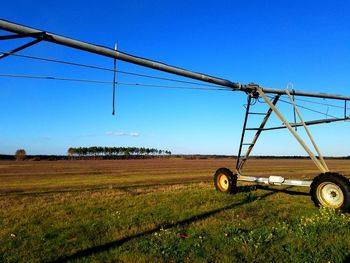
(271, 43)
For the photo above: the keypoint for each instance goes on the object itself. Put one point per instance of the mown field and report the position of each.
(163, 210)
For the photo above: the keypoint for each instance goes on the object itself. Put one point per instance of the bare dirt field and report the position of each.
(46, 175)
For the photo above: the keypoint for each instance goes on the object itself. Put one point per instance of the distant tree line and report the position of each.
(114, 152)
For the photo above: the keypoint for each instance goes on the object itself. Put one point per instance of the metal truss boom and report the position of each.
(109, 52)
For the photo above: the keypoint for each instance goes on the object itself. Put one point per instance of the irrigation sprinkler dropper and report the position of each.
(114, 79)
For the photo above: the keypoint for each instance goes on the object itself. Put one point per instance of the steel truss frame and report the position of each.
(278, 180)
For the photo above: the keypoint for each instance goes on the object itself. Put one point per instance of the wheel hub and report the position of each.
(223, 182)
(330, 195)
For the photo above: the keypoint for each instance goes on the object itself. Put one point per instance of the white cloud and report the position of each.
(134, 134)
(121, 133)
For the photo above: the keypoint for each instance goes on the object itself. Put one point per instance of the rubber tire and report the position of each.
(342, 182)
(231, 180)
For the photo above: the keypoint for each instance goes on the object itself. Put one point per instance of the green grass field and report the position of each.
(163, 211)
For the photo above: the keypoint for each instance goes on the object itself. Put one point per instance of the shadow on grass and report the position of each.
(116, 243)
(285, 190)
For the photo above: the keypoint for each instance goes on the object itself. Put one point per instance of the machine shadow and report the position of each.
(126, 188)
(116, 243)
(250, 188)
(285, 190)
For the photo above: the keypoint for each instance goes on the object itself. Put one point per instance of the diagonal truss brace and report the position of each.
(39, 37)
(321, 165)
(321, 159)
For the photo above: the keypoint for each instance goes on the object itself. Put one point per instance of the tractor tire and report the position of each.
(225, 181)
(331, 190)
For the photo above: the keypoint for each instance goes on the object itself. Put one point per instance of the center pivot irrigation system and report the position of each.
(328, 189)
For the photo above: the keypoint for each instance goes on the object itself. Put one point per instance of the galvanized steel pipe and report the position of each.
(108, 52)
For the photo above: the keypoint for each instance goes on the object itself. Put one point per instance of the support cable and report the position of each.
(306, 108)
(110, 82)
(320, 103)
(111, 70)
